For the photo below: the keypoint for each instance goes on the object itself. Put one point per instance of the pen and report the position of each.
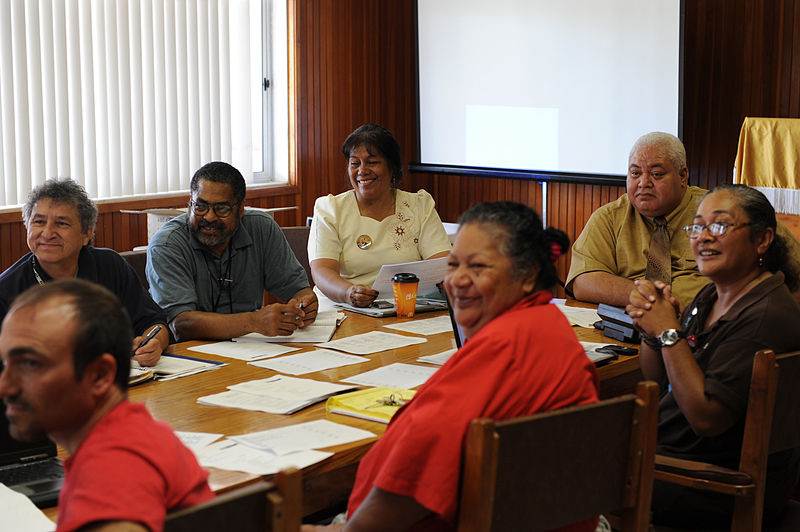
(149, 337)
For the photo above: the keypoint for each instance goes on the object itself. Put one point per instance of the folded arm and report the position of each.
(278, 319)
(602, 287)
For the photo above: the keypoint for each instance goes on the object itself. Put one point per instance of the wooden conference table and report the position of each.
(329, 481)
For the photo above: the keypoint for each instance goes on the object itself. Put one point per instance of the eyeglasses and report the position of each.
(714, 229)
(222, 210)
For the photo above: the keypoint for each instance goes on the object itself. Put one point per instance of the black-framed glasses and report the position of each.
(222, 210)
(714, 229)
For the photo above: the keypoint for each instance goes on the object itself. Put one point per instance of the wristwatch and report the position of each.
(670, 337)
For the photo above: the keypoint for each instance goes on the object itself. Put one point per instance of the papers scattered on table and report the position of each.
(302, 436)
(275, 395)
(439, 324)
(227, 454)
(371, 342)
(171, 366)
(17, 512)
(309, 362)
(583, 317)
(375, 404)
(197, 440)
(320, 331)
(244, 350)
(430, 272)
(396, 375)
(439, 358)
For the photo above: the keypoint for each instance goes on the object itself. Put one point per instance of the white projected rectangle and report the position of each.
(547, 85)
(533, 144)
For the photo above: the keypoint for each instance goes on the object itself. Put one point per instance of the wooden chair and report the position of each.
(138, 261)
(261, 507)
(298, 241)
(561, 467)
(774, 394)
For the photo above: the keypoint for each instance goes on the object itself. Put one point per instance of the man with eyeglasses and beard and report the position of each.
(209, 268)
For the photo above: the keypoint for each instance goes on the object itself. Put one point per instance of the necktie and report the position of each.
(659, 262)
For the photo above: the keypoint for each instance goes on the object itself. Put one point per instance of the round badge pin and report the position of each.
(364, 242)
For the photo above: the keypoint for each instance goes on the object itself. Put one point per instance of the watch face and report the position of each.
(668, 337)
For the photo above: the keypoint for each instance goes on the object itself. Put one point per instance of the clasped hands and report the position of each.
(653, 307)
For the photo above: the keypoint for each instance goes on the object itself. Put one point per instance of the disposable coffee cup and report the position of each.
(404, 286)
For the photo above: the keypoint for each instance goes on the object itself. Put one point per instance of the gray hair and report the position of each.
(672, 146)
(66, 191)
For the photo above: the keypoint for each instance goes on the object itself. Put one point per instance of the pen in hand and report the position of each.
(149, 337)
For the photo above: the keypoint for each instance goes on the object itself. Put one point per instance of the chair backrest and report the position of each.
(774, 395)
(561, 467)
(260, 507)
(298, 241)
(138, 261)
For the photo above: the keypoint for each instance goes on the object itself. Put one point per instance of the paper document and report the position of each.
(320, 331)
(309, 362)
(17, 512)
(371, 342)
(439, 358)
(302, 436)
(197, 440)
(171, 366)
(275, 395)
(430, 272)
(439, 324)
(244, 350)
(232, 456)
(396, 375)
(583, 317)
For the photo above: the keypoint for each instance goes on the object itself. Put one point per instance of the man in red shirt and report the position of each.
(65, 349)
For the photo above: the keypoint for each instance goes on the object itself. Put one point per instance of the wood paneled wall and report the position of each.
(741, 59)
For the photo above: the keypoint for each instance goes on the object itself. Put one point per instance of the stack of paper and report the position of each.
(244, 350)
(439, 324)
(320, 331)
(397, 375)
(309, 362)
(269, 451)
(375, 404)
(303, 436)
(582, 317)
(439, 358)
(275, 395)
(371, 342)
(171, 366)
(228, 454)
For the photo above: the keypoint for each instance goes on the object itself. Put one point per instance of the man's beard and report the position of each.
(212, 240)
(30, 432)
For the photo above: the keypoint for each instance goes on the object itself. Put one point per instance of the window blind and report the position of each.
(126, 97)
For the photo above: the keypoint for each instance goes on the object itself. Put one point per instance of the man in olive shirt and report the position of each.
(612, 250)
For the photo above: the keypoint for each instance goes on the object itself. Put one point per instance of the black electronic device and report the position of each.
(617, 324)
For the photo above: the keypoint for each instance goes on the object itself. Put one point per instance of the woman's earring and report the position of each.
(761, 261)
